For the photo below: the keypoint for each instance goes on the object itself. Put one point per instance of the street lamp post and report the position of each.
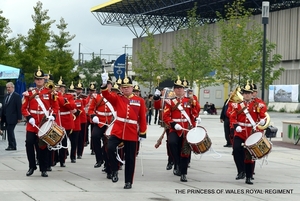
(265, 21)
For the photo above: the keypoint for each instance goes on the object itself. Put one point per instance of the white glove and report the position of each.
(141, 139)
(51, 118)
(198, 120)
(96, 120)
(177, 127)
(238, 129)
(157, 92)
(262, 122)
(32, 121)
(104, 77)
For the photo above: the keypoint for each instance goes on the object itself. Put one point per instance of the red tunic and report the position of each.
(99, 107)
(31, 108)
(66, 106)
(131, 115)
(238, 118)
(172, 115)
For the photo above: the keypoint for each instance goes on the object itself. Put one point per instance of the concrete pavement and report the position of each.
(210, 177)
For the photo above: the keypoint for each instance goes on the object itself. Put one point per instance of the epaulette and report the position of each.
(261, 105)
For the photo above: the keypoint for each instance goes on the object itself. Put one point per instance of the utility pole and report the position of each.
(79, 55)
(126, 59)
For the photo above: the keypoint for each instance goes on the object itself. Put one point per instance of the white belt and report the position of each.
(127, 120)
(104, 113)
(65, 113)
(180, 120)
(244, 124)
(36, 112)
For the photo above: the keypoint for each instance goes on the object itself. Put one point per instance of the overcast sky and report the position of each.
(81, 22)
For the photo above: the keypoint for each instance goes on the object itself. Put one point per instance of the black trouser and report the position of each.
(63, 151)
(91, 129)
(31, 142)
(74, 141)
(155, 116)
(130, 156)
(11, 136)
(175, 144)
(170, 158)
(97, 135)
(226, 125)
(81, 139)
(105, 155)
(239, 155)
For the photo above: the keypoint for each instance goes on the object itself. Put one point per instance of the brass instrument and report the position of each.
(50, 84)
(235, 96)
(260, 127)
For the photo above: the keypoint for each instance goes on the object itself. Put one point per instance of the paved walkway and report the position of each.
(210, 177)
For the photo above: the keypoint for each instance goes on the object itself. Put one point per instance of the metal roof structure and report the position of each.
(161, 16)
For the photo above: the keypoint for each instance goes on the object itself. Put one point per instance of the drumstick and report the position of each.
(103, 124)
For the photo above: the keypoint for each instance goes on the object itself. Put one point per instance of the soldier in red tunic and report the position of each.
(243, 117)
(130, 125)
(66, 116)
(180, 115)
(73, 136)
(90, 124)
(38, 103)
(83, 120)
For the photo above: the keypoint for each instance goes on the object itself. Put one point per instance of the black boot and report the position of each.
(248, 181)
(114, 176)
(240, 175)
(183, 178)
(169, 166)
(176, 170)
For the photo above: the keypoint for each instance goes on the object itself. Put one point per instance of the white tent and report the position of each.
(8, 72)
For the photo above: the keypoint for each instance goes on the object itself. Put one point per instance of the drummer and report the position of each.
(180, 115)
(38, 105)
(241, 127)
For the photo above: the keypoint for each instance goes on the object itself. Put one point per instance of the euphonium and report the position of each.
(266, 124)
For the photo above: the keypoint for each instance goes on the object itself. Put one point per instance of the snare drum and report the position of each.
(258, 145)
(51, 133)
(198, 140)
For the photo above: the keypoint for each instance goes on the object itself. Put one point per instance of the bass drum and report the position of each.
(198, 140)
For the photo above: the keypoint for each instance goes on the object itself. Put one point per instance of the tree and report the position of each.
(60, 57)
(150, 65)
(91, 71)
(36, 51)
(239, 57)
(4, 42)
(191, 56)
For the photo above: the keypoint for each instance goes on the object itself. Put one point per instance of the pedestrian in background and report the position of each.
(11, 114)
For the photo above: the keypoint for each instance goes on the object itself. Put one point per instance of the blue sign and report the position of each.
(120, 67)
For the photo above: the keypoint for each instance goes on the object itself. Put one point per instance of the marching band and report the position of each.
(118, 119)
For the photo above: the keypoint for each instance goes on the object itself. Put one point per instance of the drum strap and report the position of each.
(183, 112)
(41, 104)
